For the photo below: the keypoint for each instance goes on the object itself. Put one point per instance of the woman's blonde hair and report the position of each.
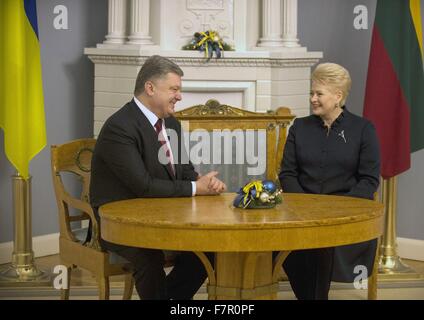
(334, 76)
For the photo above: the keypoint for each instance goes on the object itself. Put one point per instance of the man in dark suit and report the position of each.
(134, 158)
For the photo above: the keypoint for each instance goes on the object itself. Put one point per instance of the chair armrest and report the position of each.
(86, 209)
(79, 217)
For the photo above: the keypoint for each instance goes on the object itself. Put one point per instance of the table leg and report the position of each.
(211, 274)
(244, 275)
(278, 265)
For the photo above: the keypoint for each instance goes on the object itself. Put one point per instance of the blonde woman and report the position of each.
(332, 152)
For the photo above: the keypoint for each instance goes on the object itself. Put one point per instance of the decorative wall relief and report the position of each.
(205, 4)
(203, 15)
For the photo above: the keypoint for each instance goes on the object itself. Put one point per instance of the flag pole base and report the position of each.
(391, 268)
(22, 270)
(27, 276)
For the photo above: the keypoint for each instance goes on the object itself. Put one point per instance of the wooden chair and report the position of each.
(75, 157)
(372, 280)
(215, 116)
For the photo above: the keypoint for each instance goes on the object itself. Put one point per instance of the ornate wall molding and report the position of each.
(202, 15)
(201, 62)
(139, 19)
(271, 24)
(174, 22)
(117, 16)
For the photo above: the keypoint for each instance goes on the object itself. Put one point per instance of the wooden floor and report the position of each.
(84, 286)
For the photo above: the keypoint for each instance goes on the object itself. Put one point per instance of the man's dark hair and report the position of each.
(155, 67)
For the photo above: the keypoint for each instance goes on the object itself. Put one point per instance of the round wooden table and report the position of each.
(242, 239)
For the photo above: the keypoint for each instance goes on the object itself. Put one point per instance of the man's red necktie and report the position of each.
(159, 131)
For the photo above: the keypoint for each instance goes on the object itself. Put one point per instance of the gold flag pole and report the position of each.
(22, 271)
(391, 266)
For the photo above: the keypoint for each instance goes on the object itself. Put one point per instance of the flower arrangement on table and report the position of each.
(257, 195)
(208, 42)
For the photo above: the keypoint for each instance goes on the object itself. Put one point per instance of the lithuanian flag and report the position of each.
(394, 98)
(21, 91)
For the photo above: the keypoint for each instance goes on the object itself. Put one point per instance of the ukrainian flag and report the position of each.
(21, 90)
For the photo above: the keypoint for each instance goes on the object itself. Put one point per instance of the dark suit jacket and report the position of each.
(125, 162)
(344, 161)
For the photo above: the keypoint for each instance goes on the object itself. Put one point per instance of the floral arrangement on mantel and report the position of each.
(208, 42)
(258, 195)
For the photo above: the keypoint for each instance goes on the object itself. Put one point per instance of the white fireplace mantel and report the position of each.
(231, 58)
